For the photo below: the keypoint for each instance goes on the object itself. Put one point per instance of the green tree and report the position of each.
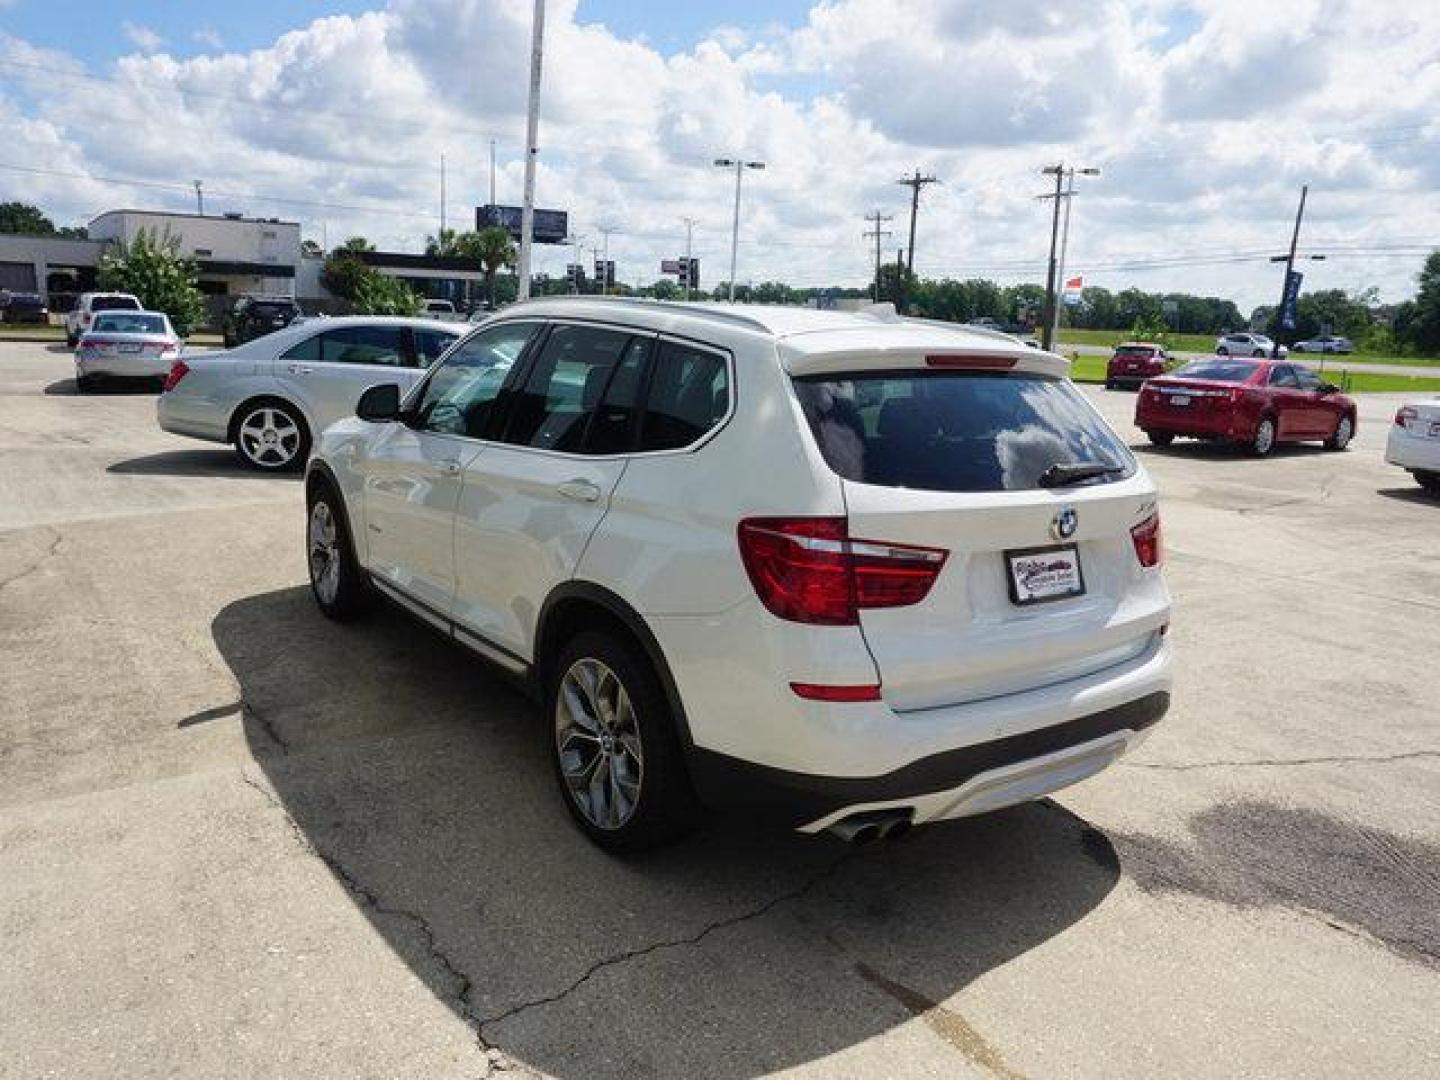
(493, 249)
(442, 243)
(377, 294)
(344, 273)
(151, 267)
(18, 217)
(1422, 322)
(310, 249)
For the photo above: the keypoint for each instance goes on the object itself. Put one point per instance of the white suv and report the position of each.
(88, 305)
(847, 571)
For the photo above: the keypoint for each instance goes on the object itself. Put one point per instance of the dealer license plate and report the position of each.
(130, 346)
(1045, 573)
(1179, 399)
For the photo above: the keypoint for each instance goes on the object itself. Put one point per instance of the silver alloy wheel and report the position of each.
(269, 438)
(324, 552)
(599, 744)
(1343, 431)
(1265, 436)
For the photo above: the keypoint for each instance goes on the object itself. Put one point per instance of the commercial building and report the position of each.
(233, 254)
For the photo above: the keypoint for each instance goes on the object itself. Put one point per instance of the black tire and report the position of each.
(1429, 481)
(1111, 384)
(71, 342)
(286, 453)
(1222, 351)
(1261, 445)
(349, 594)
(1343, 433)
(1160, 438)
(664, 807)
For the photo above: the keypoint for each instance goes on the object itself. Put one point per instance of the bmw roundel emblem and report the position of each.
(1065, 523)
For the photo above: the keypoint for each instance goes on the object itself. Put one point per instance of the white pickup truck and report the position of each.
(443, 310)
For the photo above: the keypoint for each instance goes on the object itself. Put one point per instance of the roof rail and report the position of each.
(689, 307)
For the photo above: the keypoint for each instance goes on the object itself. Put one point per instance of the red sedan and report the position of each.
(1256, 403)
(1134, 362)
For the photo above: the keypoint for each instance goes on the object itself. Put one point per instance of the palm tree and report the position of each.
(442, 243)
(356, 243)
(492, 248)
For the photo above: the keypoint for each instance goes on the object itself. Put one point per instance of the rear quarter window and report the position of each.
(955, 431)
(1216, 370)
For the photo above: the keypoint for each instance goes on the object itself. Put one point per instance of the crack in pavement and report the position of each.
(496, 1061)
(44, 557)
(263, 721)
(629, 955)
(1338, 759)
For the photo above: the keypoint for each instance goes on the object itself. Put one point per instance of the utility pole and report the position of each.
(876, 218)
(441, 237)
(739, 165)
(492, 172)
(689, 236)
(532, 136)
(1289, 269)
(200, 197)
(1053, 310)
(1048, 315)
(914, 183)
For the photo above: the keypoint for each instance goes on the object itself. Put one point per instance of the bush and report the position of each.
(151, 267)
(380, 295)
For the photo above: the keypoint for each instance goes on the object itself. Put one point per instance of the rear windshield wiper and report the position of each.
(1065, 473)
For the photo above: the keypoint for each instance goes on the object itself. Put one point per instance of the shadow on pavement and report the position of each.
(66, 388)
(217, 462)
(1228, 451)
(1411, 494)
(424, 783)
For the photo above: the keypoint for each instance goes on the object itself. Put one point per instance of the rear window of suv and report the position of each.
(114, 303)
(955, 430)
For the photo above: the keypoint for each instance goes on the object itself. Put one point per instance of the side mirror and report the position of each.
(1328, 388)
(379, 404)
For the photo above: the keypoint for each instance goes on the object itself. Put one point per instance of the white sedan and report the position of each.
(1256, 345)
(1414, 442)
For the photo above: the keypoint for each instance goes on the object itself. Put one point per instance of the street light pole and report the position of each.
(1058, 171)
(1065, 243)
(532, 136)
(739, 165)
(689, 238)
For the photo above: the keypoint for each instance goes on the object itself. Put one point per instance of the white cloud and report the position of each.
(1205, 132)
(209, 37)
(142, 37)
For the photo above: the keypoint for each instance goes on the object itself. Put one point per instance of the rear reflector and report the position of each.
(810, 570)
(819, 692)
(1146, 536)
(178, 371)
(975, 363)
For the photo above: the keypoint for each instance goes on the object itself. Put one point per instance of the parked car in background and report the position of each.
(1256, 345)
(123, 344)
(1326, 343)
(443, 310)
(1135, 361)
(88, 305)
(270, 397)
(23, 307)
(1257, 403)
(1414, 442)
(848, 571)
(256, 316)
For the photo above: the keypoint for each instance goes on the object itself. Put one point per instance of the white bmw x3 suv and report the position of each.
(845, 571)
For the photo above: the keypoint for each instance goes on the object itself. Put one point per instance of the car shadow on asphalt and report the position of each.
(1226, 451)
(1412, 494)
(201, 462)
(423, 782)
(117, 387)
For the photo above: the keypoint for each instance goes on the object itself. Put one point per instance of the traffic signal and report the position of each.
(573, 276)
(690, 273)
(609, 274)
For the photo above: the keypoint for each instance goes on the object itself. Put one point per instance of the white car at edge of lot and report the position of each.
(1414, 442)
(843, 571)
(270, 397)
(1253, 345)
(125, 344)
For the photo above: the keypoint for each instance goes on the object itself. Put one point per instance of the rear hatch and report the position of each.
(1421, 417)
(1042, 581)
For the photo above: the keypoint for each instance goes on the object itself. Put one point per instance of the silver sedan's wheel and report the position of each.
(598, 741)
(324, 548)
(269, 437)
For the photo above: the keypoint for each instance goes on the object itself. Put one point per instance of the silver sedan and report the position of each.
(270, 397)
(125, 345)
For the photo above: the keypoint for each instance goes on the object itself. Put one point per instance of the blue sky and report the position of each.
(94, 30)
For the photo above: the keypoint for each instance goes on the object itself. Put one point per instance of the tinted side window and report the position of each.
(689, 395)
(303, 352)
(612, 426)
(1283, 376)
(565, 386)
(460, 394)
(383, 345)
(431, 343)
(1306, 379)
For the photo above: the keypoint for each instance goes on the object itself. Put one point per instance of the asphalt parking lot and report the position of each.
(238, 840)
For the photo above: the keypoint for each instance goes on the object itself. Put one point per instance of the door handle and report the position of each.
(450, 467)
(579, 490)
(300, 369)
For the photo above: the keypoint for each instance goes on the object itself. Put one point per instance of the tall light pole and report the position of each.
(532, 136)
(1051, 314)
(1065, 242)
(739, 166)
(200, 197)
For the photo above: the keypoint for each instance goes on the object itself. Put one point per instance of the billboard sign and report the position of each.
(551, 226)
(670, 266)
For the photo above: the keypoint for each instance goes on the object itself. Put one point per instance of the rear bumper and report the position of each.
(1176, 421)
(1412, 451)
(1038, 741)
(123, 367)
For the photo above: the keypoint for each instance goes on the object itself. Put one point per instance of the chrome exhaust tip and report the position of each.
(871, 825)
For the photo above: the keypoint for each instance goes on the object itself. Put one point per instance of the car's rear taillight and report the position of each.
(1146, 536)
(1405, 415)
(178, 371)
(810, 570)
